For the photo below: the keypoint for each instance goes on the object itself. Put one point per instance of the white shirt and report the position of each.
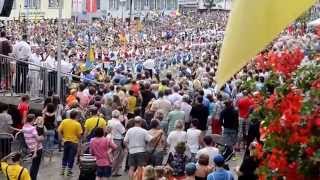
(210, 151)
(193, 136)
(51, 62)
(66, 67)
(175, 137)
(175, 97)
(117, 129)
(35, 59)
(22, 50)
(187, 109)
(149, 64)
(137, 139)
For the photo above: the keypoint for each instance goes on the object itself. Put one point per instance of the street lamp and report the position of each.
(59, 49)
(122, 6)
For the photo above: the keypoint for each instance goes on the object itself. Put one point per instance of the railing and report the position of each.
(18, 77)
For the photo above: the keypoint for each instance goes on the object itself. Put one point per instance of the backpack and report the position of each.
(177, 162)
(20, 173)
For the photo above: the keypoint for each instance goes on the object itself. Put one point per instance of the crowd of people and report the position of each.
(156, 104)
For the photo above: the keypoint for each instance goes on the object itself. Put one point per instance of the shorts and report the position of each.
(243, 128)
(104, 171)
(137, 159)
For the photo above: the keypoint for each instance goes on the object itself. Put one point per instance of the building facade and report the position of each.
(204, 4)
(37, 9)
(121, 8)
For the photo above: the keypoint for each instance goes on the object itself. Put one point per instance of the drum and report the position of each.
(87, 167)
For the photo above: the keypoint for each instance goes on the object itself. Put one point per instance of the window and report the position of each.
(170, 4)
(137, 5)
(54, 3)
(152, 4)
(98, 4)
(114, 4)
(159, 4)
(128, 5)
(14, 4)
(32, 4)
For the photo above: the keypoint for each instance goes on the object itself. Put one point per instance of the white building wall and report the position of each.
(41, 9)
(139, 7)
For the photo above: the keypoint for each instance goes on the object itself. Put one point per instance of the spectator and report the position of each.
(200, 112)
(190, 169)
(178, 160)
(203, 167)
(34, 143)
(70, 130)
(249, 164)
(194, 139)
(117, 134)
(208, 149)
(11, 168)
(23, 108)
(173, 116)
(157, 148)
(100, 147)
(176, 136)
(220, 173)
(229, 119)
(92, 123)
(136, 139)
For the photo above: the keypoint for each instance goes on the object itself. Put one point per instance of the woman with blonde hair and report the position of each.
(177, 135)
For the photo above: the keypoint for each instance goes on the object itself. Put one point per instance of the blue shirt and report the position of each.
(220, 174)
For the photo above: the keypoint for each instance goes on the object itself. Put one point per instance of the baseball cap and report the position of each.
(218, 160)
(190, 168)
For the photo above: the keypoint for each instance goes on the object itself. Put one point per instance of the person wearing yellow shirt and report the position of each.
(94, 122)
(132, 104)
(12, 169)
(70, 130)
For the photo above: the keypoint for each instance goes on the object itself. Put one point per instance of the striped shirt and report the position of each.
(30, 133)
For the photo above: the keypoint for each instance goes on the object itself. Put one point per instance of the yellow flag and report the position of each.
(91, 55)
(252, 25)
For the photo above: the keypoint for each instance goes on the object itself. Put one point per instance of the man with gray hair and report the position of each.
(117, 133)
(137, 140)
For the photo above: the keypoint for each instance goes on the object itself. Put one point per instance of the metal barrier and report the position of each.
(18, 77)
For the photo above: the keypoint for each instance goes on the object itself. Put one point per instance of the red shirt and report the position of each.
(244, 105)
(23, 109)
(135, 88)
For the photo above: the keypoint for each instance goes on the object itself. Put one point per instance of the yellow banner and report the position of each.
(252, 25)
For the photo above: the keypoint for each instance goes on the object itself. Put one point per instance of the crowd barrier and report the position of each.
(19, 77)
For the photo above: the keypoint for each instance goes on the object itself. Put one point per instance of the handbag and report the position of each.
(93, 131)
(150, 153)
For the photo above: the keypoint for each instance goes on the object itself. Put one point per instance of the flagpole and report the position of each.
(59, 49)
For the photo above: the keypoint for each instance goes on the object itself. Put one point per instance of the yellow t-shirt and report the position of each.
(132, 103)
(71, 130)
(92, 122)
(14, 171)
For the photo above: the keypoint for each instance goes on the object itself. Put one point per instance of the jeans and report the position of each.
(34, 169)
(69, 153)
(49, 143)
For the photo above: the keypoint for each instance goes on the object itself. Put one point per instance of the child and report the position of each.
(203, 167)
(23, 108)
(149, 173)
(190, 171)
